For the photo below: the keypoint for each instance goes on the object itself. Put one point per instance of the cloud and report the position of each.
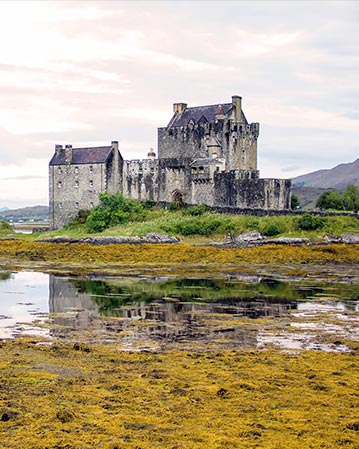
(91, 72)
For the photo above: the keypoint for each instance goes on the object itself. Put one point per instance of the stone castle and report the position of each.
(206, 155)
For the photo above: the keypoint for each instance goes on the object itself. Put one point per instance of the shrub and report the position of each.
(80, 219)
(173, 206)
(294, 202)
(195, 211)
(114, 210)
(193, 226)
(272, 229)
(310, 222)
(5, 226)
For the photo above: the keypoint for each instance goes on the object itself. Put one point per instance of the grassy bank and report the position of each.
(76, 397)
(196, 222)
(193, 221)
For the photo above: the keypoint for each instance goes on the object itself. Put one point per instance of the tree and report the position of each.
(330, 200)
(351, 198)
(294, 202)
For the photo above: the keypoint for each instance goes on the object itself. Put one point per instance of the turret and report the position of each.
(151, 154)
(237, 102)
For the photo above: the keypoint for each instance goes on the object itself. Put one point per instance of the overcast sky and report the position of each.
(89, 72)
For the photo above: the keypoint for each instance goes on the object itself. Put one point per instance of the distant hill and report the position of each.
(335, 178)
(34, 213)
(307, 196)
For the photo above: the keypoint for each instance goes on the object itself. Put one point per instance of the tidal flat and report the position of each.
(230, 384)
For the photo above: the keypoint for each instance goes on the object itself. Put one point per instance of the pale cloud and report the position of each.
(253, 44)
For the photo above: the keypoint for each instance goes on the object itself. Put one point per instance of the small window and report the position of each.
(59, 184)
(59, 170)
(77, 205)
(76, 170)
(77, 184)
(91, 204)
(91, 183)
(91, 168)
(60, 205)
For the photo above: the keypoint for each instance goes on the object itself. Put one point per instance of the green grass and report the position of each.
(209, 224)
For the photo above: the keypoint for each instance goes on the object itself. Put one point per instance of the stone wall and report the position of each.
(233, 191)
(74, 187)
(140, 179)
(182, 142)
(237, 142)
(174, 175)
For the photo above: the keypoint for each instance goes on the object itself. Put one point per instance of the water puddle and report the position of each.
(146, 312)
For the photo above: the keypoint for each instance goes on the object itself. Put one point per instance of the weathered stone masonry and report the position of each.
(207, 154)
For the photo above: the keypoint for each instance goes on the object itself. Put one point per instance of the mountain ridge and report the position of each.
(338, 177)
(40, 213)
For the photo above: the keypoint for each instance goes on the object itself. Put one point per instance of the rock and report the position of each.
(155, 237)
(6, 416)
(222, 393)
(152, 237)
(287, 241)
(350, 238)
(330, 238)
(248, 237)
(59, 239)
(109, 240)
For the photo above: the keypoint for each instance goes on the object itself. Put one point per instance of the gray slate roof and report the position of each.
(206, 161)
(94, 155)
(197, 112)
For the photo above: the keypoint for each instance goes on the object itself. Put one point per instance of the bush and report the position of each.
(80, 219)
(272, 229)
(5, 226)
(310, 222)
(173, 206)
(294, 202)
(193, 226)
(114, 210)
(195, 211)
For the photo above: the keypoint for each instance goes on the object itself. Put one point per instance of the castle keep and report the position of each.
(206, 155)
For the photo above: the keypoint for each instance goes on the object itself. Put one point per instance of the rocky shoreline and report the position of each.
(249, 239)
(152, 237)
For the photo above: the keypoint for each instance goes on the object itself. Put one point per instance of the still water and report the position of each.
(160, 312)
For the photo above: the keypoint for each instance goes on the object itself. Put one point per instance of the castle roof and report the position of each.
(92, 155)
(206, 161)
(198, 113)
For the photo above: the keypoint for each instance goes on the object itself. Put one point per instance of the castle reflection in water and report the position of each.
(94, 307)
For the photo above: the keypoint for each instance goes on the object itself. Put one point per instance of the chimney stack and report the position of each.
(68, 154)
(237, 101)
(58, 149)
(179, 107)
